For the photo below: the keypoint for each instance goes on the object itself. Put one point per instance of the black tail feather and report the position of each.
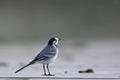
(23, 68)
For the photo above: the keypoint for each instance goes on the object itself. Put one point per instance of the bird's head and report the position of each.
(53, 41)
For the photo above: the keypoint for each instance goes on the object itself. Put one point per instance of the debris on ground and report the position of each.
(86, 71)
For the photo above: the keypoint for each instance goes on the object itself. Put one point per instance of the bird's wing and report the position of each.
(46, 53)
(41, 57)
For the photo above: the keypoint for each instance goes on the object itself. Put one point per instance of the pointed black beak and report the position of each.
(59, 38)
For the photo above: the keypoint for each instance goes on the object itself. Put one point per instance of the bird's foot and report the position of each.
(44, 74)
(50, 75)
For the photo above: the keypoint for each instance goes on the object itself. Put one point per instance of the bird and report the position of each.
(46, 56)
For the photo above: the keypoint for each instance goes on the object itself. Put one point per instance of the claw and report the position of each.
(51, 75)
(44, 74)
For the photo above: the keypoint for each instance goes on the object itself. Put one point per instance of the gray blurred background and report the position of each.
(41, 19)
(90, 32)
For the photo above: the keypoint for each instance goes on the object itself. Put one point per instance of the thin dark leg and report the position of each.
(44, 69)
(48, 69)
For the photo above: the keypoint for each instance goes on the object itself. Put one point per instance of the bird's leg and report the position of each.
(49, 70)
(44, 69)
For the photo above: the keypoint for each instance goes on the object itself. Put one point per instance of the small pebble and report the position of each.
(86, 71)
(89, 71)
(65, 72)
(80, 71)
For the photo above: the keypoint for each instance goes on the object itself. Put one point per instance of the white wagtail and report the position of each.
(46, 56)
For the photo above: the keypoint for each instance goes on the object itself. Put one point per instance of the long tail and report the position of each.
(22, 68)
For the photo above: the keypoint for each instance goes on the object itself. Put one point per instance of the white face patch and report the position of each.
(56, 41)
(56, 38)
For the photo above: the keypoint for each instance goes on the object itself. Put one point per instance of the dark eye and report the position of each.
(55, 40)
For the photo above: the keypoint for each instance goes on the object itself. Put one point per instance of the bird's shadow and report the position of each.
(48, 75)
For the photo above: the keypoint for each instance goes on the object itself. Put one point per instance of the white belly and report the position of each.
(48, 60)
